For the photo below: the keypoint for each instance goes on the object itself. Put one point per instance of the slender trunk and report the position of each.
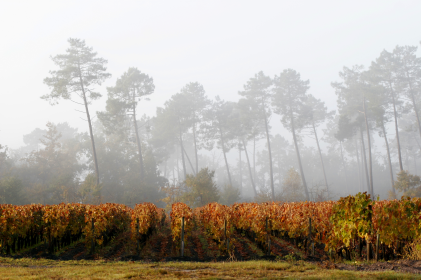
(415, 164)
(188, 159)
(279, 168)
(270, 159)
(414, 104)
(321, 158)
(195, 148)
(90, 127)
(249, 167)
(364, 159)
(360, 179)
(299, 158)
(225, 156)
(139, 148)
(397, 132)
(182, 154)
(343, 163)
(254, 157)
(369, 149)
(240, 167)
(178, 168)
(388, 158)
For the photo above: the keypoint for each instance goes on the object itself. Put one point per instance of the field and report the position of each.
(103, 269)
(246, 240)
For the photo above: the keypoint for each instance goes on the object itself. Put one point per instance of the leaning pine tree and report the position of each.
(79, 71)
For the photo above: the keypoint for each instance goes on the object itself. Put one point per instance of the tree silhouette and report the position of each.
(288, 100)
(79, 70)
(258, 91)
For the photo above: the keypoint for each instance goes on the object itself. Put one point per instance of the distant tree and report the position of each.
(171, 123)
(165, 136)
(288, 100)
(258, 91)
(281, 149)
(200, 189)
(292, 186)
(219, 127)
(5, 161)
(79, 70)
(12, 191)
(89, 192)
(409, 184)
(409, 76)
(52, 167)
(229, 195)
(379, 105)
(384, 71)
(314, 114)
(248, 125)
(31, 140)
(128, 91)
(196, 104)
(344, 130)
(352, 101)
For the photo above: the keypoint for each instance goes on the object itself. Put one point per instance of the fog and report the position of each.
(215, 48)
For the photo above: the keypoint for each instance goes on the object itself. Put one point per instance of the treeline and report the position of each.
(127, 157)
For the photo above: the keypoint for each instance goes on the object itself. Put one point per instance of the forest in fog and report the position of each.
(276, 142)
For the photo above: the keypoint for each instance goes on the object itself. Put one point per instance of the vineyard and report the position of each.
(355, 227)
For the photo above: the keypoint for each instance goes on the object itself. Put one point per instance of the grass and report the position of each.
(49, 269)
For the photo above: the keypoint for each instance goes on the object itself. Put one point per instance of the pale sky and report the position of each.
(220, 44)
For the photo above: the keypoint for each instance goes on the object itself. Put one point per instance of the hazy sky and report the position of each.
(220, 44)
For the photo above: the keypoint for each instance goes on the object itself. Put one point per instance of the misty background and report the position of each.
(219, 46)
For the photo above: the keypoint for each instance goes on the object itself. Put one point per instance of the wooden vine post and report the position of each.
(267, 236)
(93, 237)
(377, 246)
(310, 237)
(370, 208)
(227, 242)
(182, 236)
(137, 237)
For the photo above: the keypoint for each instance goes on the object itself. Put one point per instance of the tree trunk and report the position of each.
(364, 159)
(90, 127)
(343, 163)
(178, 168)
(188, 159)
(388, 158)
(321, 158)
(414, 104)
(360, 179)
(299, 158)
(270, 159)
(240, 167)
(181, 150)
(249, 167)
(139, 148)
(254, 157)
(369, 149)
(195, 148)
(279, 168)
(225, 156)
(397, 132)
